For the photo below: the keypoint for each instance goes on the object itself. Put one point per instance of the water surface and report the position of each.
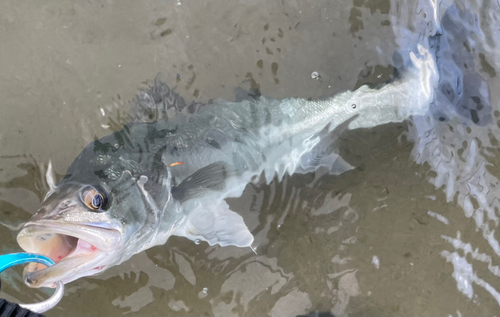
(413, 230)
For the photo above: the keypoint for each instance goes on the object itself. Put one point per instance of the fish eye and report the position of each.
(354, 106)
(94, 198)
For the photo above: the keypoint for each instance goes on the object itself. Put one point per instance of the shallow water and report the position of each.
(411, 231)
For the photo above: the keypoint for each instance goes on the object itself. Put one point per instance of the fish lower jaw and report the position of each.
(83, 261)
(74, 257)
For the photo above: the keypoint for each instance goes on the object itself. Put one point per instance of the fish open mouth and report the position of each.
(76, 249)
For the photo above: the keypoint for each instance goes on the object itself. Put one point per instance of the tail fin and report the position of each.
(460, 89)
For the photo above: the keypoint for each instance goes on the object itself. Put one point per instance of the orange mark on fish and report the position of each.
(175, 164)
(93, 248)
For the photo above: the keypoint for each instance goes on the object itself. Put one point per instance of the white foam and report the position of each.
(439, 217)
(462, 272)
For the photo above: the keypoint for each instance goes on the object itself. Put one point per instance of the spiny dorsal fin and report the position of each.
(50, 177)
(160, 102)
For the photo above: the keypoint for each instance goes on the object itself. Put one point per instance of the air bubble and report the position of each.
(143, 179)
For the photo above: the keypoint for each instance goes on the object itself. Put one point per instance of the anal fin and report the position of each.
(311, 161)
(323, 153)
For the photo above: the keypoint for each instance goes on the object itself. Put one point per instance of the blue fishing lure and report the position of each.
(9, 260)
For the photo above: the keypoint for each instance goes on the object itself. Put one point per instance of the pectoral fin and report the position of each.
(210, 178)
(217, 225)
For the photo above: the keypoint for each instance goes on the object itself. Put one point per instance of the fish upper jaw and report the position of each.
(105, 239)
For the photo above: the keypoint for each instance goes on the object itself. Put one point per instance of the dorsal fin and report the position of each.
(159, 102)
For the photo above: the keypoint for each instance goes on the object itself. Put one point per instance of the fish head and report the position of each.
(86, 228)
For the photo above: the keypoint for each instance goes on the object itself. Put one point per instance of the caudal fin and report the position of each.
(447, 32)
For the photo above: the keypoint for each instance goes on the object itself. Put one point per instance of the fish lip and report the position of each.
(60, 272)
(105, 239)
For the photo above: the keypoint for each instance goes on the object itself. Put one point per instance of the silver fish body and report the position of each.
(121, 196)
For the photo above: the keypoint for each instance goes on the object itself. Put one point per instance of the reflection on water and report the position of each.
(413, 230)
(462, 151)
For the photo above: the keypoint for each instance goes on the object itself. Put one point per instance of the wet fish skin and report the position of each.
(223, 147)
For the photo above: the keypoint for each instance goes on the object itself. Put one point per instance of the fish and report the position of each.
(168, 172)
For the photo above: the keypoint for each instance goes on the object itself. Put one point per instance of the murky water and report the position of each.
(413, 230)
